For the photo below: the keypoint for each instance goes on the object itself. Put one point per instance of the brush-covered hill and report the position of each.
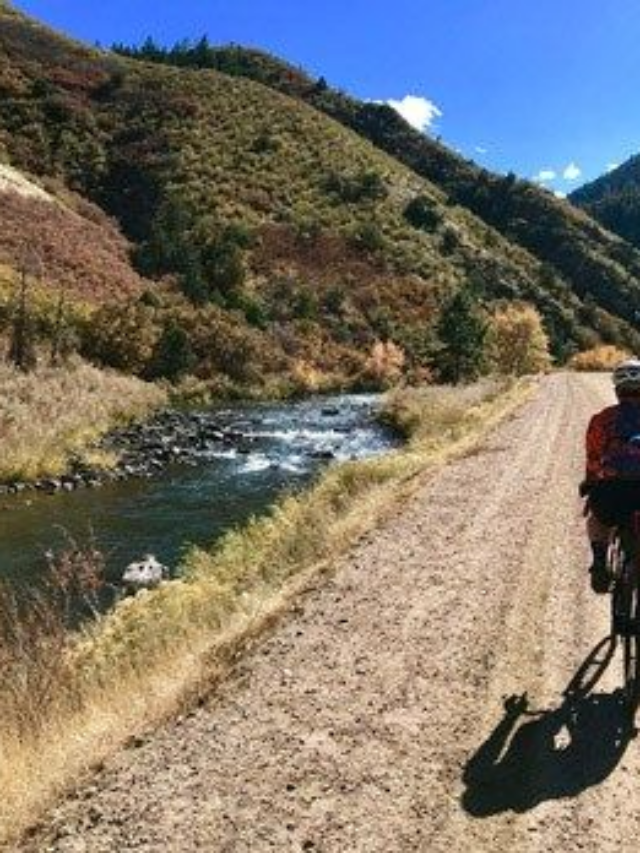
(57, 232)
(598, 267)
(284, 241)
(614, 200)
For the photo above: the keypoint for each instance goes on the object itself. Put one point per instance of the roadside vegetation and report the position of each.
(419, 414)
(602, 358)
(157, 652)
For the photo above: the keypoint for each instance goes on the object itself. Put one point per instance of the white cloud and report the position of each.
(419, 112)
(612, 166)
(572, 172)
(544, 175)
(480, 150)
(559, 194)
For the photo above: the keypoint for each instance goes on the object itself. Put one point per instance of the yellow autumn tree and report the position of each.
(517, 343)
(385, 363)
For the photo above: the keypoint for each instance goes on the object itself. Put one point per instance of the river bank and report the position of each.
(77, 426)
(52, 416)
(157, 651)
(167, 437)
(185, 477)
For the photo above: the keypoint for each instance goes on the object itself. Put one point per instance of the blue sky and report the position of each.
(541, 88)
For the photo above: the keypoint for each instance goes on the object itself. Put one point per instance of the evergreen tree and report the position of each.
(171, 230)
(173, 356)
(150, 51)
(462, 331)
(422, 213)
(22, 346)
(201, 53)
(191, 278)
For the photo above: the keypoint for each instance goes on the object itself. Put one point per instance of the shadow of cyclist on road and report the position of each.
(554, 753)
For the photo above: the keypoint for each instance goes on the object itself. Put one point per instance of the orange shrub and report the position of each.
(604, 357)
(385, 363)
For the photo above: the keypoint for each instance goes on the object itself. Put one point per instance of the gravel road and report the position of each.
(373, 719)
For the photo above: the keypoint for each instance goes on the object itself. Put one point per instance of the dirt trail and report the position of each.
(373, 719)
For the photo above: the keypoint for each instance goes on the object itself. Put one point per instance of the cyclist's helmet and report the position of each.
(626, 376)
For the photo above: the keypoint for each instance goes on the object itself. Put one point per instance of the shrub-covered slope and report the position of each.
(294, 242)
(66, 238)
(599, 268)
(614, 200)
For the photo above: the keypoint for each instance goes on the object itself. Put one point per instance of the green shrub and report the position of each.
(422, 213)
(173, 355)
(363, 186)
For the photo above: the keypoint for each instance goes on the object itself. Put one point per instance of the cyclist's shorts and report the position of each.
(613, 501)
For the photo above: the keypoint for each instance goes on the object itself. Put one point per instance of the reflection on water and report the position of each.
(194, 505)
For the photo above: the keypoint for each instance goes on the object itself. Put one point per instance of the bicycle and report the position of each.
(623, 563)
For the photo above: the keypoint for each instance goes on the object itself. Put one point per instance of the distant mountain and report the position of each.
(614, 200)
(268, 223)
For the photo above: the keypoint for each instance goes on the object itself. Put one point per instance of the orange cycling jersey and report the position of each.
(613, 442)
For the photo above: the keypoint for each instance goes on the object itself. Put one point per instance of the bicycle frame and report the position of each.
(623, 560)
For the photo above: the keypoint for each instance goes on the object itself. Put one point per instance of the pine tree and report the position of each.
(462, 331)
(22, 347)
(173, 356)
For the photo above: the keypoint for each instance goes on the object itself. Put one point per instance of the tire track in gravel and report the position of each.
(372, 720)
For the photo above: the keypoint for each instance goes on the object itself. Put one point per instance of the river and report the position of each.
(194, 504)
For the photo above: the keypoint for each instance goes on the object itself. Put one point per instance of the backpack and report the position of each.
(622, 453)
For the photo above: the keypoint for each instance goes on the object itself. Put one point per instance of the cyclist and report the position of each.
(612, 481)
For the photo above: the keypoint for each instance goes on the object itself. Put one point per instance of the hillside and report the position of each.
(81, 250)
(285, 243)
(614, 200)
(598, 267)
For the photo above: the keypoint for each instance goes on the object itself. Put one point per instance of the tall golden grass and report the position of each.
(439, 410)
(53, 412)
(152, 653)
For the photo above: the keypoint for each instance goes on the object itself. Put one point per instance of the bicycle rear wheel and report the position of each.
(629, 628)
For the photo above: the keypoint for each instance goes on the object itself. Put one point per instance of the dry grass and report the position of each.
(53, 412)
(34, 637)
(148, 656)
(442, 410)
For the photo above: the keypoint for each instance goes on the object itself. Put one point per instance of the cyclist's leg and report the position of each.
(598, 532)
(603, 516)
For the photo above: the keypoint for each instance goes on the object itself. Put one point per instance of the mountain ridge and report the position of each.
(613, 199)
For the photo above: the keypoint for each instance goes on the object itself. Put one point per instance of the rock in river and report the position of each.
(145, 574)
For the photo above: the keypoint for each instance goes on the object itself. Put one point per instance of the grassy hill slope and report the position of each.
(298, 242)
(599, 268)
